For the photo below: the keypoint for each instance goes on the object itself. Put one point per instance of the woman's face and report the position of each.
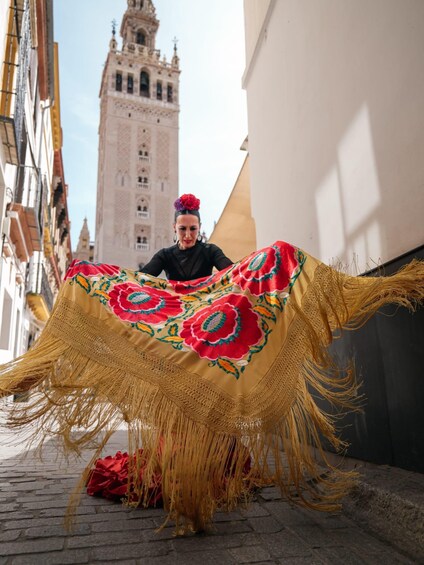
(187, 228)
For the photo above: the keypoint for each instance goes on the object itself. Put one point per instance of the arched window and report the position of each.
(159, 90)
(140, 38)
(169, 93)
(143, 209)
(144, 84)
(130, 84)
(118, 82)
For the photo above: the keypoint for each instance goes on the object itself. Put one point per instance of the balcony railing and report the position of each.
(144, 214)
(13, 93)
(143, 185)
(142, 247)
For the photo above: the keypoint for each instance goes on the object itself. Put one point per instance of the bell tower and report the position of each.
(137, 180)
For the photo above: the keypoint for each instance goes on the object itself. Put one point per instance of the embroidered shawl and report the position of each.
(203, 372)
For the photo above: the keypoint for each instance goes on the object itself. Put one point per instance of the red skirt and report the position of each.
(110, 477)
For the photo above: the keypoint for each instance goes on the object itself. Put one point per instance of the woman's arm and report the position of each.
(218, 257)
(155, 266)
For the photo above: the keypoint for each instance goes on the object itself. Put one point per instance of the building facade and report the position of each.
(336, 129)
(138, 143)
(35, 246)
(235, 230)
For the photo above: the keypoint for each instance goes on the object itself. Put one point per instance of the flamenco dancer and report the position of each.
(203, 369)
(190, 258)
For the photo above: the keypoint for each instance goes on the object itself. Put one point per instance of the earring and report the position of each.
(175, 237)
(200, 237)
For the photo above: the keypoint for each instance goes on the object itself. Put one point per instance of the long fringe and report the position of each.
(82, 397)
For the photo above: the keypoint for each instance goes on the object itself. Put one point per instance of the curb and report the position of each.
(390, 502)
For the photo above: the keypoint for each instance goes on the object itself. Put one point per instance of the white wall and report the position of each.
(335, 94)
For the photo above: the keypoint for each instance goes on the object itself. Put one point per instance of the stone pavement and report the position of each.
(34, 495)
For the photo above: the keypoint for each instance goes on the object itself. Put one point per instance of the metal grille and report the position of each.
(24, 55)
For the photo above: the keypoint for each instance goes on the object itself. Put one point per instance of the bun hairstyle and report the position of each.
(187, 204)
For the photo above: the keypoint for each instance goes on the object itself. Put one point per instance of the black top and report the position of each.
(187, 264)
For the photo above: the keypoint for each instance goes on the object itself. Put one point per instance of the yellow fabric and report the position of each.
(91, 370)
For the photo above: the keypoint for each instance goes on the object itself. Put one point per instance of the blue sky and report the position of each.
(213, 117)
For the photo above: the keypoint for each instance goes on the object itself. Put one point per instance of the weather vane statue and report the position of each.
(113, 27)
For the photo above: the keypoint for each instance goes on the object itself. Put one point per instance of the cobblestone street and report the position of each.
(34, 496)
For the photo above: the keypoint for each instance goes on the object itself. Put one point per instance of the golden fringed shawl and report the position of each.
(203, 372)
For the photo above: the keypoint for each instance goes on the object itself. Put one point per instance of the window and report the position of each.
(118, 82)
(143, 156)
(130, 84)
(140, 38)
(169, 93)
(159, 90)
(144, 84)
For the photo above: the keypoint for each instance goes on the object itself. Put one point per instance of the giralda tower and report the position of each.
(137, 179)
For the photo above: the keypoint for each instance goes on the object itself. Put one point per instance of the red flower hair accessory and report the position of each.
(187, 202)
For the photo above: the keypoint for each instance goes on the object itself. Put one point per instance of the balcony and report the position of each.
(16, 52)
(26, 213)
(143, 185)
(142, 247)
(143, 214)
(40, 297)
(24, 231)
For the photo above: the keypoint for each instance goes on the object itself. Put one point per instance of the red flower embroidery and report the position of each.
(136, 303)
(186, 287)
(91, 269)
(227, 328)
(193, 285)
(267, 270)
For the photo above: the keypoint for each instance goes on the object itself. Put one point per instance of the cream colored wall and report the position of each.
(255, 16)
(335, 98)
(235, 230)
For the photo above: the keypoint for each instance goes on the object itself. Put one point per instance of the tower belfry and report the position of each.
(137, 179)
(84, 251)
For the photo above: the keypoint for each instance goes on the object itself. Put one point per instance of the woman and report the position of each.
(189, 258)
(202, 371)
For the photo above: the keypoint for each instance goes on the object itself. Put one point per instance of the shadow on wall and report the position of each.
(347, 202)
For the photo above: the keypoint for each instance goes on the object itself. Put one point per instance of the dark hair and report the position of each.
(186, 213)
